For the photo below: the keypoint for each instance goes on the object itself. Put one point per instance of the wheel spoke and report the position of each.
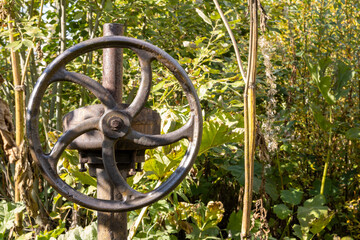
(68, 137)
(108, 156)
(96, 88)
(145, 84)
(131, 198)
(148, 140)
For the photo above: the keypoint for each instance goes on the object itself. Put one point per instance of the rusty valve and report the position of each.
(113, 124)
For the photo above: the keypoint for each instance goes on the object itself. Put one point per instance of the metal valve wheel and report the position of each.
(114, 124)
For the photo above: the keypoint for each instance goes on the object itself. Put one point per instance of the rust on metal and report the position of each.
(95, 124)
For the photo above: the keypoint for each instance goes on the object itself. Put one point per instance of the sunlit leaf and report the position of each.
(282, 211)
(221, 129)
(313, 209)
(14, 45)
(319, 224)
(203, 16)
(88, 232)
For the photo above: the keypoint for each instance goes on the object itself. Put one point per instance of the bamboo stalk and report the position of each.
(249, 109)
(19, 119)
(250, 119)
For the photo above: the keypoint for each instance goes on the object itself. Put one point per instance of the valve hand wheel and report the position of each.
(114, 124)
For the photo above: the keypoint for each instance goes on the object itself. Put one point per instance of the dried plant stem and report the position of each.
(62, 21)
(249, 108)
(237, 53)
(19, 119)
(32, 48)
(250, 119)
(135, 226)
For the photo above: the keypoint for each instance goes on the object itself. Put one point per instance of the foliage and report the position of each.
(308, 89)
(7, 216)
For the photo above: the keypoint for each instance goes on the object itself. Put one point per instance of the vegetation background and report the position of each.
(306, 175)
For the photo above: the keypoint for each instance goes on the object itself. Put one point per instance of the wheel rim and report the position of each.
(49, 167)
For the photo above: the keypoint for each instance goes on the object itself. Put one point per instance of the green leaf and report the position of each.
(78, 233)
(24, 236)
(318, 200)
(33, 31)
(203, 16)
(222, 128)
(282, 211)
(313, 209)
(7, 214)
(78, 15)
(324, 63)
(343, 75)
(234, 224)
(158, 86)
(14, 45)
(238, 172)
(156, 168)
(214, 214)
(270, 188)
(84, 178)
(323, 82)
(292, 196)
(28, 43)
(353, 133)
(324, 87)
(319, 224)
(301, 232)
(108, 6)
(323, 123)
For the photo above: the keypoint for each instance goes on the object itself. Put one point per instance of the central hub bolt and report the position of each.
(116, 124)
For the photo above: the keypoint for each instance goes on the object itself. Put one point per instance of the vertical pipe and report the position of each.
(111, 225)
(112, 63)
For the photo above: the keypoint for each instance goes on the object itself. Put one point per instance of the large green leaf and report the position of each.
(282, 211)
(213, 214)
(220, 129)
(7, 214)
(313, 209)
(84, 178)
(292, 196)
(353, 133)
(323, 123)
(324, 86)
(155, 168)
(319, 224)
(343, 75)
(301, 232)
(323, 82)
(234, 224)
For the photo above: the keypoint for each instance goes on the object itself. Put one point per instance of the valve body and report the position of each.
(129, 155)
